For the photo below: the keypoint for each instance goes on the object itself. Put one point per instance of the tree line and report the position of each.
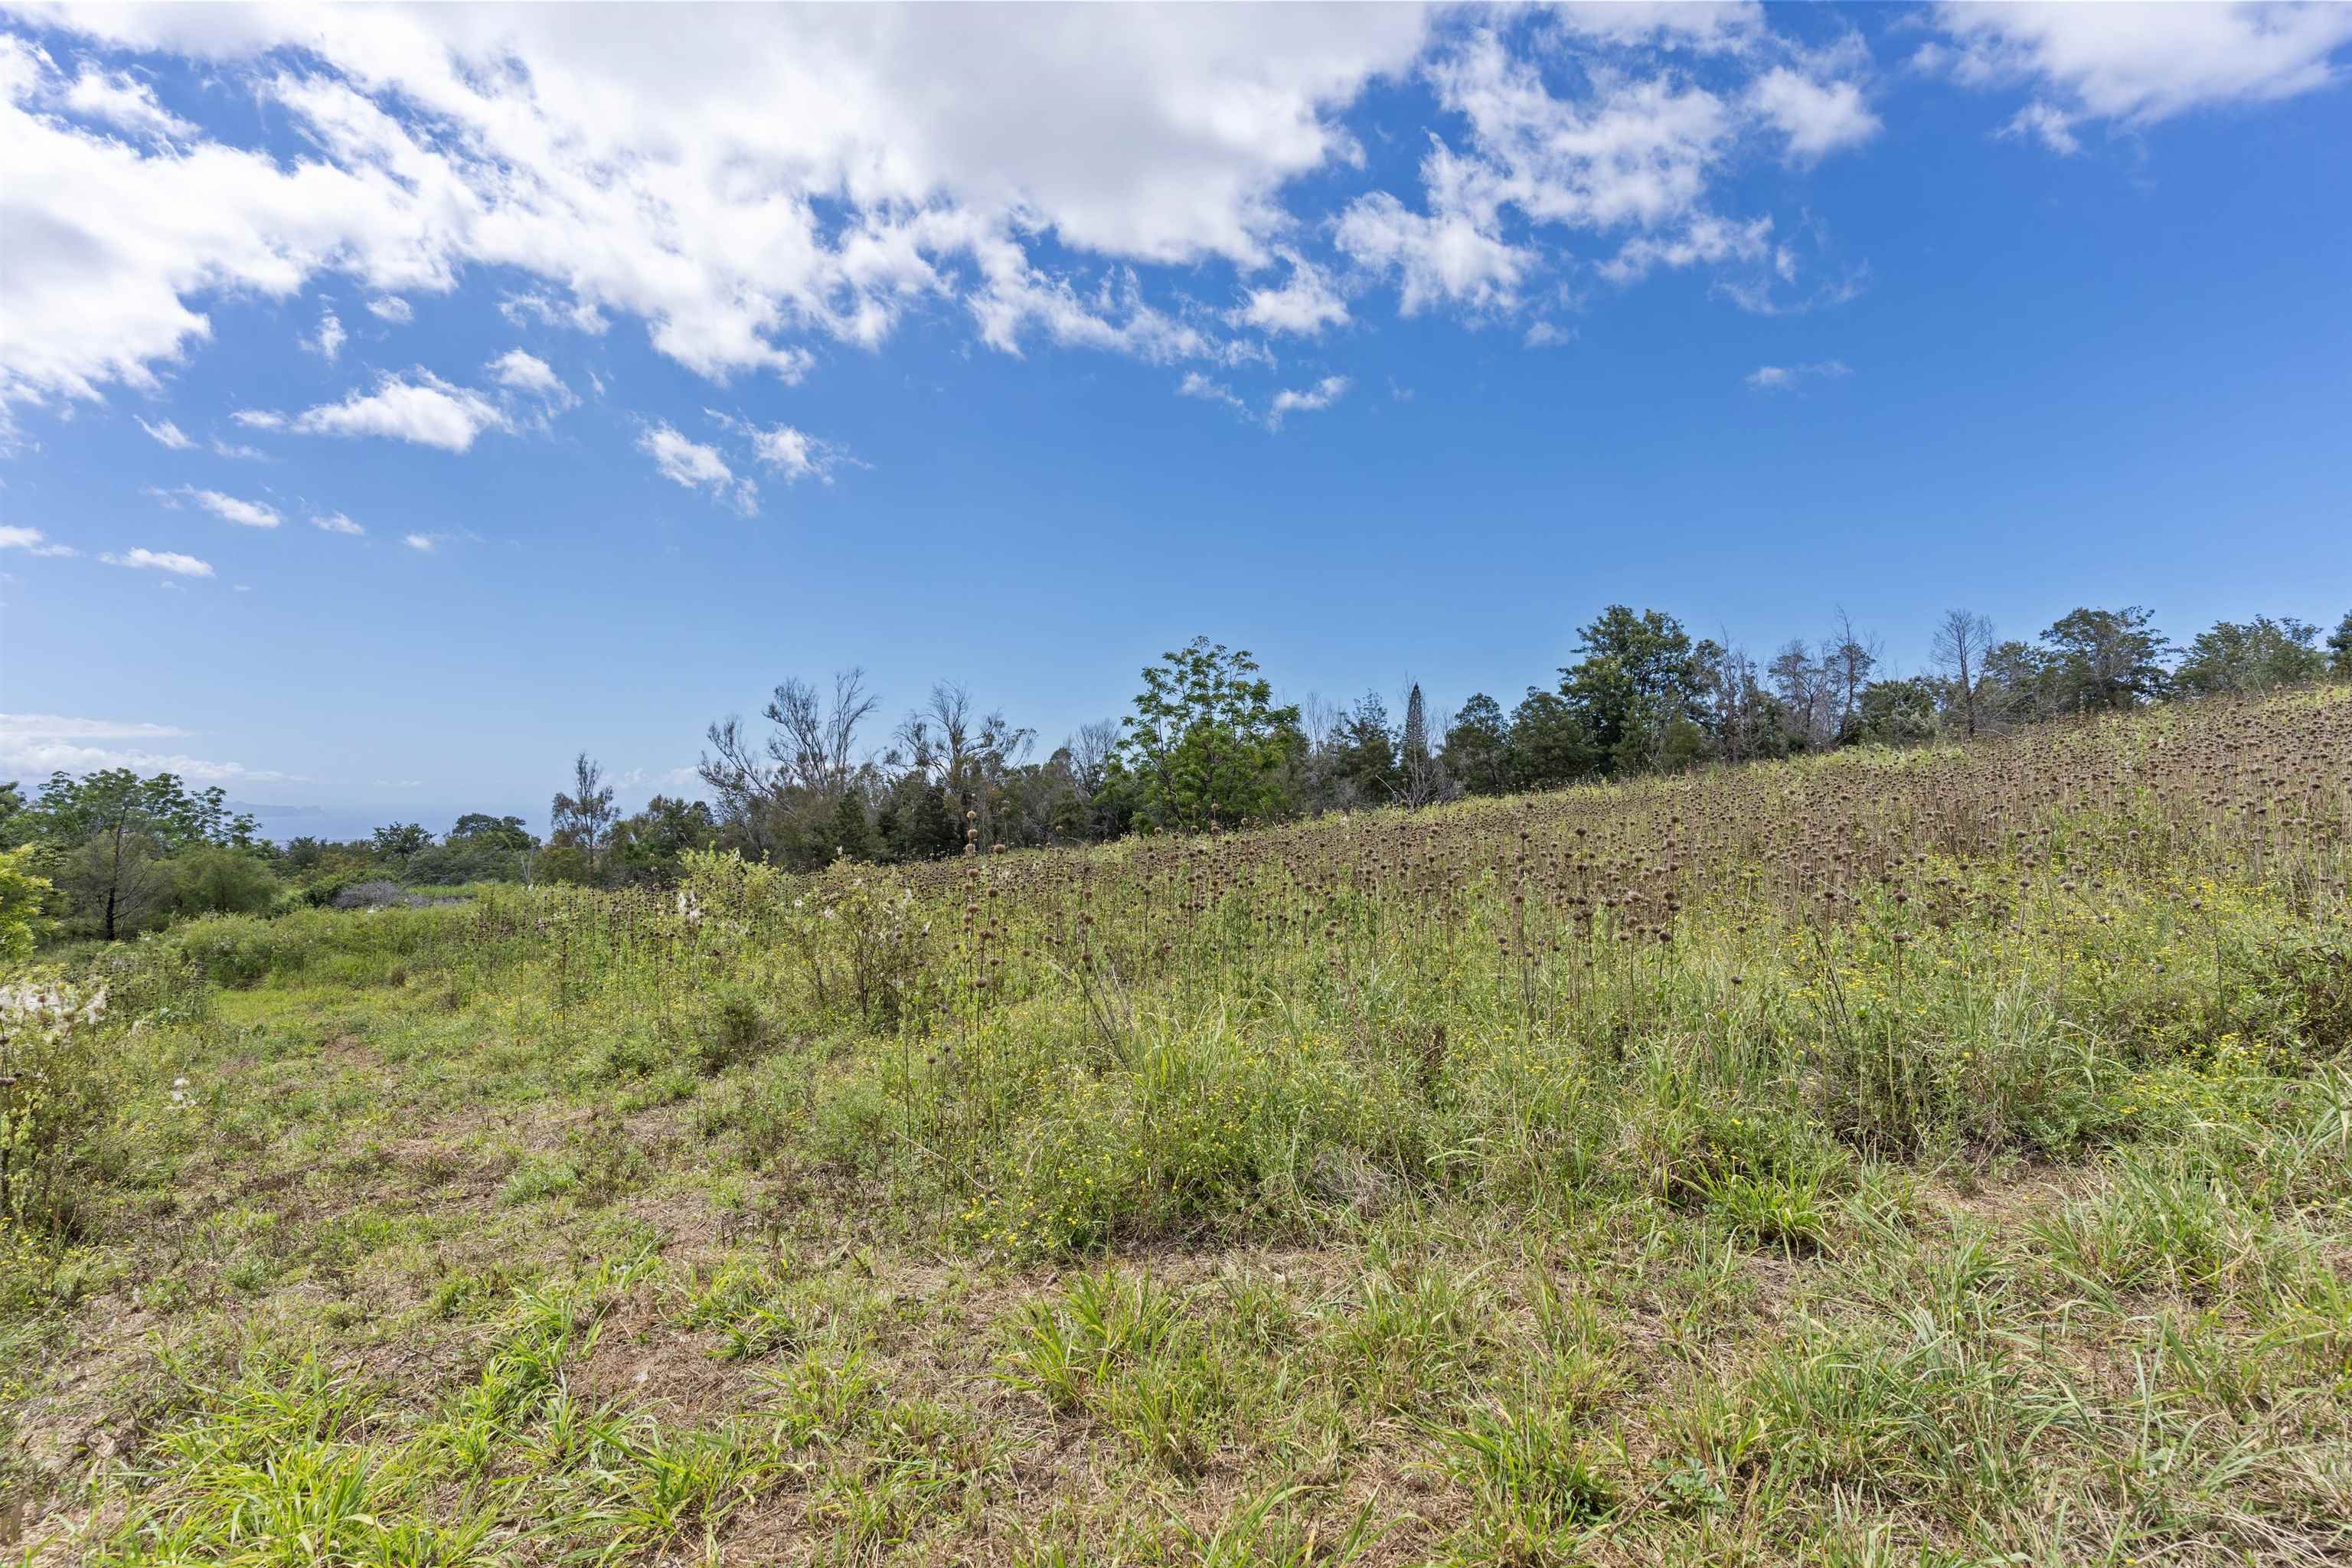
(1205, 746)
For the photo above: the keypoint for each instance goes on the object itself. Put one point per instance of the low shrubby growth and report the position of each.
(1941, 1156)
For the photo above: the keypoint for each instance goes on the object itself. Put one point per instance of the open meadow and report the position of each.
(1928, 1156)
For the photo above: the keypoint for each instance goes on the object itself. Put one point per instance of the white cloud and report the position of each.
(1734, 27)
(1195, 384)
(1305, 304)
(161, 561)
(1704, 240)
(1208, 390)
(32, 745)
(1817, 117)
(1322, 394)
(777, 177)
(329, 342)
(1545, 335)
(2047, 124)
(392, 307)
(696, 467)
(259, 419)
(795, 454)
(229, 508)
(544, 309)
(419, 407)
(1786, 377)
(523, 371)
(2133, 65)
(32, 541)
(335, 522)
(425, 543)
(168, 434)
(1438, 257)
(124, 102)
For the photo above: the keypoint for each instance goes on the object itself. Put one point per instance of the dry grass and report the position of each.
(1941, 1157)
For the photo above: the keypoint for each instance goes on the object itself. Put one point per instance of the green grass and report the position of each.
(1563, 1180)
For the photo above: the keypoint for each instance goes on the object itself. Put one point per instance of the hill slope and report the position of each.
(1886, 1158)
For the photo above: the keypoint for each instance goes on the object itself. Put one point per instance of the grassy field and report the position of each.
(1928, 1157)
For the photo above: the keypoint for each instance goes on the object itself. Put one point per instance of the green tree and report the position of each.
(396, 843)
(1897, 713)
(480, 830)
(1207, 742)
(1638, 675)
(1549, 745)
(2339, 648)
(852, 833)
(916, 821)
(1364, 751)
(1476, 747)
(15, 815)
(580, 820)
(651, 845)
(107, 833)
(2105, 660)
(2254, 656)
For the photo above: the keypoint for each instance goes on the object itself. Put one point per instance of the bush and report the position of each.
(51, 1099)
(211, 879)
(20, 904)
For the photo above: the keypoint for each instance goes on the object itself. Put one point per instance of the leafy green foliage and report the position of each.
(1206, 741)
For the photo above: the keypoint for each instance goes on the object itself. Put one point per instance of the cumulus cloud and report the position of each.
(423, 543)
(795, 454)
(169, 561)
(696, 467)
(1437, 257)
(418, 407)
(1817, 117)
(1631, 146)
(524, 371)
(1304, 305)
(2134, 64)
(32, 541)
(124, 102)
(33, 744)
(1038, 182)
(228, 508)
(1322, 394)
(925, 156)
(168, 434)
(335, 522)
(330, 340)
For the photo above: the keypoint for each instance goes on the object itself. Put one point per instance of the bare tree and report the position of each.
(1090, 751)
(816, 747)
(1730, 678)
(967, 755)
(812, 751)
(1801, 682)
(1851, 657)
(1961, 639)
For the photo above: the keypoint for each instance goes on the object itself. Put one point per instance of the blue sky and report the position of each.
(396, 403)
